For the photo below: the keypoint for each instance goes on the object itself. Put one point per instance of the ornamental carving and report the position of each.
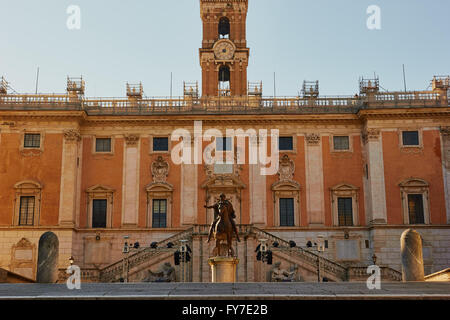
(312, 139)
(131, 140)
(160, 170)
(370, 134)
(287, 169)
(72, 135)
(445, 131)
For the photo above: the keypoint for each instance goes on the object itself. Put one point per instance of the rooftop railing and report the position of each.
(223, 105)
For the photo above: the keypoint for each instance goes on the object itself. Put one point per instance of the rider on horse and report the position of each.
(222, 201)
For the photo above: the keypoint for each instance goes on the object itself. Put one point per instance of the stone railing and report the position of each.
(116, 270)
(221, 105)
(305, 255)
(360, 273)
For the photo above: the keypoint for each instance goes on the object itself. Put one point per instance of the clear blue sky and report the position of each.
(145, 40)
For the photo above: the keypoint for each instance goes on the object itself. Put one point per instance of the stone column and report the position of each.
(189, 188)
(258, 201)
(130, 203)
(315, 205)
(376, 206)
(445, 131)
(69, 175)
(412, 259)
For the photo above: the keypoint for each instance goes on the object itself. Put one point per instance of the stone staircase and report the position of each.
(298, 255)
(336, 270)
(115, 271)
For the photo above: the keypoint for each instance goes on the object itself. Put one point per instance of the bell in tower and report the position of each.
(224, 53)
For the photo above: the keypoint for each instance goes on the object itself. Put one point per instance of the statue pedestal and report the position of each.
(223, 269)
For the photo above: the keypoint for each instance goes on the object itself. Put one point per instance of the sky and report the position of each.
(145, 40)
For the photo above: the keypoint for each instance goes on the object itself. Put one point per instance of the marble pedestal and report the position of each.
(223, 269)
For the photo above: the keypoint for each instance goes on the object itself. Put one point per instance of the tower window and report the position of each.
(224, 28)
(224, 81)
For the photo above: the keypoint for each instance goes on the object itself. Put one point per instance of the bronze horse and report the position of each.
(223, 231)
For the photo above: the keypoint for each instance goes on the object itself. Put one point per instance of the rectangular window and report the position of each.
(99, 208)
(161, 144)
(32, 140)
(287, 212)
(341, 143)
(410, 138)
(159, 218)
(286, 143)
(26, 215)
(415, 209)
(103, 145)
(345, 212)
(223, 143)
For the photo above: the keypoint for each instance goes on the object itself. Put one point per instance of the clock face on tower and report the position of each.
(224, 50)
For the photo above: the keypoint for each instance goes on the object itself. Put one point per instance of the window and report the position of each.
(160, 144)
(32, 140)
(99, 209)
(286, 143)
(345, 212)
(415, 209)
(341, 143)
(159, 213)
(103, 145)
(410, 138)
(223, 143)
(287, 212)
(415, 201)
(100, 199)
(26, 213)
(224, 28)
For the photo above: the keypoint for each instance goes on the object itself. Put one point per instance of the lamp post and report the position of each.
(125, 251)
(320, 249)
(263, 250)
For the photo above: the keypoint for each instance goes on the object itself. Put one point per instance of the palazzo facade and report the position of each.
(353, 171)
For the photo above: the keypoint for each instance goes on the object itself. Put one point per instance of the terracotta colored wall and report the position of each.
(174, 179)
(105, 170)
(45, 169)
(403, 164)
(342, 167)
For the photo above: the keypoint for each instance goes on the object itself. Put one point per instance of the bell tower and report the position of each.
(224, 53)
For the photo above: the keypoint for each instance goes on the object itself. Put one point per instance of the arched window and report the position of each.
(224, 81)
(224, 28)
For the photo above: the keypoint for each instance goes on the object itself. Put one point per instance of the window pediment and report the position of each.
(413, 183)
(286, 186)
(28, 185)
(100, 189)
(159, 187)
(344, 187)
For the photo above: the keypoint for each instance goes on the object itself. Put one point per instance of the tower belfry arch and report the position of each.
(224, 53)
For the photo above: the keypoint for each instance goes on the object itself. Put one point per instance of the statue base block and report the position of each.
(223, 269)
